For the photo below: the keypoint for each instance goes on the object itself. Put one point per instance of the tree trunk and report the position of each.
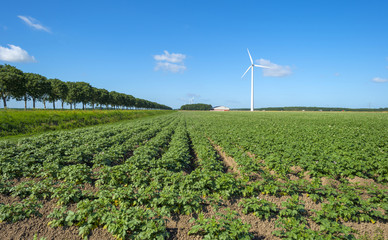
(62, 105)
(83, 106)
(44, 104)
(93, 106)
(71, 106)
(74, 106)
(4, 101)
(25, 102)
(54, 105)
(33, 103)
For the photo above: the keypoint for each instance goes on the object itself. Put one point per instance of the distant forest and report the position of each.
(206, 107)
(197, 106)
(314, 109)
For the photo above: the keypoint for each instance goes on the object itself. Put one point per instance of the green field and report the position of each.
(16, 122)
(193, 175)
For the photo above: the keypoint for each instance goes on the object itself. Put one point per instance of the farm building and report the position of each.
(220, 108)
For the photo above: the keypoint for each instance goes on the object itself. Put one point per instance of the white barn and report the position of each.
(221, 109)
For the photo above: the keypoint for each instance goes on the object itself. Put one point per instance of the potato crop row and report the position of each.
(141, 178)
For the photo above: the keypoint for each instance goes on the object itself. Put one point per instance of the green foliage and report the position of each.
(224, 226)
(78, 174)
(349, 208)
(259, 207)
(37, 87)
(40, 190)
(36, 237)
(292, 228)
(58, 91)
(333, 229)
(197, 106)
(67, 193)
(87, 217)
(12, 83)
(293, 208)
(140, 223)
(337, 145)
(321, 109)
(125, 222)
(20, 210)
(20, 122)
(129, 176)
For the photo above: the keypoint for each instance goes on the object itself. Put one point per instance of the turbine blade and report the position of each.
(250, 56)
(261, 66)
(246, 71)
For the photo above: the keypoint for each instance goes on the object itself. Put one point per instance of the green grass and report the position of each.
(17, 122)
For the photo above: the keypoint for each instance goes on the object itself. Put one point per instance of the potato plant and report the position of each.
(132, 177)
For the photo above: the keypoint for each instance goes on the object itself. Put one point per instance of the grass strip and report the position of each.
(16, 122)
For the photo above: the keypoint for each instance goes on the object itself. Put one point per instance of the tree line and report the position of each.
(197, 106)
(21, 86)
(326, 109)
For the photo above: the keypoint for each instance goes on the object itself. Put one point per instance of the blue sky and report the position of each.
(322, 53)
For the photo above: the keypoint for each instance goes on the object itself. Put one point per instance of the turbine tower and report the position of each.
(251, 67)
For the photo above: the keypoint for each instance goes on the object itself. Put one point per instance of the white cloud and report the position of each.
(32, 22)
(172, 62)
(173, 57)
(379, 80)
(15, 54)
(274, 70)
(172, 67)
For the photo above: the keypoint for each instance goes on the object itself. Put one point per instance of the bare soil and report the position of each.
(38, 226)
(228, 161)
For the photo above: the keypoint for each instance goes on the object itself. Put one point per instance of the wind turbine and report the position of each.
(251, 67)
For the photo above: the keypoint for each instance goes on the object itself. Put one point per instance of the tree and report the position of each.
(197, 106)
(26, 98)
(103, 96)
(140, 103)
(129, 101)
(12, 83)
(58, 91)
(113, 99)
(72, 94)
(95, 97)
(46, 90)
(85, 93)
(22, 93)
(16, 84)
(37, 87)
(62, 91)
(121, 100)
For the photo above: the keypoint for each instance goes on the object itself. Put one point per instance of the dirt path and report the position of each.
(228, 161)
